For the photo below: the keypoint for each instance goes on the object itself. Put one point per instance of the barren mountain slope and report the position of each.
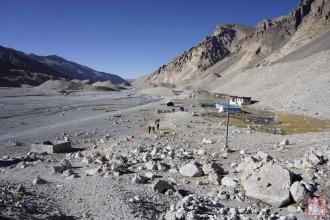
(301, 86)
(225, 52)
(17, 68)
(75, 70)
(187, 66)
(319, 44)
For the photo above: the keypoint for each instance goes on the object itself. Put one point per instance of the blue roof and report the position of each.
(226, 105)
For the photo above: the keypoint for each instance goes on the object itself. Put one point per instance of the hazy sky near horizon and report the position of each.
(125, 37)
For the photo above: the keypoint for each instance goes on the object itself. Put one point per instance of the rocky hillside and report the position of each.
(17, 68)
(237, 47)
(76, 71)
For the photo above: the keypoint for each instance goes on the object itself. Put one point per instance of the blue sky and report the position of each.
(125, 37)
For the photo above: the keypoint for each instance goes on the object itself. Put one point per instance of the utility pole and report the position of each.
(226, 143)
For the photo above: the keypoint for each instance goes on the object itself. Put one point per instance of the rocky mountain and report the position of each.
(236, 47)
(17, 68)
(76, 71)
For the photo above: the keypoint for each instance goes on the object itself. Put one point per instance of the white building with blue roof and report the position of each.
(224, 107)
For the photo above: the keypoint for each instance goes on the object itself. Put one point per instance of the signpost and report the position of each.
(226, 143)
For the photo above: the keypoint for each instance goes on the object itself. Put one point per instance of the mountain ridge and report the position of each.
(18, 68)
(270, 41)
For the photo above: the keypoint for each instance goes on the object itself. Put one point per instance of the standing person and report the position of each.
(157, 123)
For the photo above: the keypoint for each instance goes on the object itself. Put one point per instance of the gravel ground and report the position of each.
(108, 194)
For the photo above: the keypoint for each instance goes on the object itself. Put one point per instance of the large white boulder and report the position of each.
(191, 169)
(270, 184)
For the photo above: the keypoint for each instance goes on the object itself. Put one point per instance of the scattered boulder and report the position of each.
(315, 158)
(150, 175)
(87, 160)
(64, 165)
(92, 172)
(262, 156)
(230, 182)
(151, 165)
(192, 169)
(38, 181)
(298, 192)
(210, 167)
(162, 166)
(284, 142)
(310, 186)
(307, 164)
(68, 172)
(161, 186)
(214, 178)
(207, 141)
(270, 184)
(173, 170)
(293, 209)
(138, 178)
(118, 164)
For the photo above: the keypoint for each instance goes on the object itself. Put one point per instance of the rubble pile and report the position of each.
(16, 202)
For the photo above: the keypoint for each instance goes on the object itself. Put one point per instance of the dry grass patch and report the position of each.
(266, 121)
(296, 124)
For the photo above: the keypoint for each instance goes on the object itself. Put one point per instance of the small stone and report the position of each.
(86, 160)
(92, 172)
(116, 173)
(38, 181)
(173, 170)
(292, 209)
(73, 176)
(308, 185)
(230, 182)
(315, 159)
(262, 156)
(161, 186)
(138, 178)
(68, 172)
(200, 183)
(150, 175)
(135, 199)
(291, 217)
(207, 141)
(162, 166)
(298, 192)
(200, 152)
(151, 165)
(210, 167)
(284, 142)
(214, 178)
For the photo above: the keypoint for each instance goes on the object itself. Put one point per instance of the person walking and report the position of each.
(157, 123)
